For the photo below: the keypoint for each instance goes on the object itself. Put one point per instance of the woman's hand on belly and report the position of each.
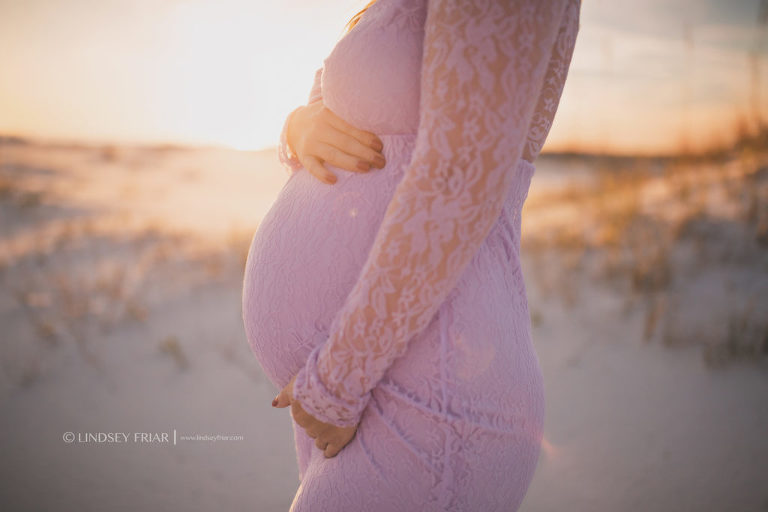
(316, 135)
(328, 437)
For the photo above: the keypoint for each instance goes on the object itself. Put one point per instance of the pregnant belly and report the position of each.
(307, 254)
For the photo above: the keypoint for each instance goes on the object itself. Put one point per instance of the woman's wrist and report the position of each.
(321, 402)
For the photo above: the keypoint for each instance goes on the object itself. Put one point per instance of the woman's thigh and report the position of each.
(374, 472)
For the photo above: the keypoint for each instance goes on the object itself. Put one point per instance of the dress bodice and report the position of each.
(371, 77)
(476, 84)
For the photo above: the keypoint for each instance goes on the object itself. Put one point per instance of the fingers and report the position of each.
(337, 440)
(327, 138)
(318, 170)
(339, 158)
(331, 450)
(367, 138)
(345, 146)
(328, 438)
(280, 401)
(283, 399)
(356, 144)
(342, 150)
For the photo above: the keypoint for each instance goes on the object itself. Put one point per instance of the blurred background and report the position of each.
(137, 156)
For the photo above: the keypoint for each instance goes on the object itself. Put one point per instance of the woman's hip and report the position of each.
(406, 457)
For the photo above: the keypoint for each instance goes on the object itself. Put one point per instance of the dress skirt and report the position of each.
(456, 422)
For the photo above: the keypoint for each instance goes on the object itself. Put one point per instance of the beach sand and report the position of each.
(121, 272)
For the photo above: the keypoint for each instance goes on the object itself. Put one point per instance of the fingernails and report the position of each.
(377, 145)
(363, 166)
(379, 162)
(274, 402)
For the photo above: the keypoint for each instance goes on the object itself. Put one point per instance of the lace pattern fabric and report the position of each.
(396, 297)
(492, 73)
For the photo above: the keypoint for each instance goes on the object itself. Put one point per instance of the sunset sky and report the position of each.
(645, 77)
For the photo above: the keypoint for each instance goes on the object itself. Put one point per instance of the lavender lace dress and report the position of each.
(397, 295)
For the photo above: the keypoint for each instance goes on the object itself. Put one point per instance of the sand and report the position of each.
(120, 274)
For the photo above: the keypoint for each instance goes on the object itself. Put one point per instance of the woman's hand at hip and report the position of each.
(316, 135)
(328, 437)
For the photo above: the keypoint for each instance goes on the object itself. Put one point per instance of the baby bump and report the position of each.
(307, 254)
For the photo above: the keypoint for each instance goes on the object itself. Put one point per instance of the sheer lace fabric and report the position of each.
(491, 77)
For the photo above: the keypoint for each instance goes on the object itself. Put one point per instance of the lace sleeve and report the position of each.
(554, 81)
(483, 69)
(286, 155)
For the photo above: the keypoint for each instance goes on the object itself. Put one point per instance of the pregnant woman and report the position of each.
(389, 304)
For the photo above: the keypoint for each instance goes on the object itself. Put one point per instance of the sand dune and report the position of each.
(121, 272)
